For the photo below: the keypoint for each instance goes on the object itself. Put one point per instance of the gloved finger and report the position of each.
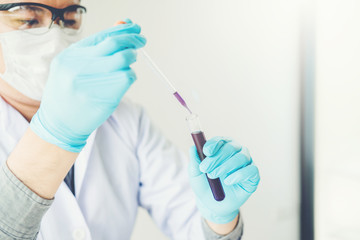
(223, 154)
(106, 80)
(110, 32)
(115, 44)
(127, 20)
(113, 63)
(213, 145)
(248, 178)
(106, 87)
(234, 163)
(193, 168)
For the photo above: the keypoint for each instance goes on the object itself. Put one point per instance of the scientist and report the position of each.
(62, 103)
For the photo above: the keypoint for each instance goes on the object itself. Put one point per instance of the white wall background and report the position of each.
(237, 64)
(338, 120)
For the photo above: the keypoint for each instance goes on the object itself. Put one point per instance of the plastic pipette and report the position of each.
(157, 70)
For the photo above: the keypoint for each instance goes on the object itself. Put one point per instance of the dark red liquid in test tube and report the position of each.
(215, 184)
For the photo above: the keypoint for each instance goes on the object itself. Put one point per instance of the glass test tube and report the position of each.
(199, 140)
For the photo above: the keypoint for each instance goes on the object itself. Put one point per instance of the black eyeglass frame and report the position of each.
(56, 12)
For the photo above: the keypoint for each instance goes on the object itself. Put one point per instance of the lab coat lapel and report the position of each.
(82, 163)
(64, 220)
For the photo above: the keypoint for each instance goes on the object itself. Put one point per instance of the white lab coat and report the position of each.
(126, 163)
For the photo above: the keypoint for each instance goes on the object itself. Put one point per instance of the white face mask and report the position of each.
(28, 57)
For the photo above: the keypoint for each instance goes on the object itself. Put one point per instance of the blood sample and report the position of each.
(200, 140)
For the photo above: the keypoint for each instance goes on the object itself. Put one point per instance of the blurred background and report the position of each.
(282, 77)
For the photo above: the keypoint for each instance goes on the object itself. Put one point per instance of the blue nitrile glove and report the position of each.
(239, 177)
(85, 85)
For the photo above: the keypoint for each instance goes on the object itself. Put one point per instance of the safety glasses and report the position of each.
(28, 16)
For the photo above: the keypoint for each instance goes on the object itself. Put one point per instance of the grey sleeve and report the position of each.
(21, 210)
(236, 234)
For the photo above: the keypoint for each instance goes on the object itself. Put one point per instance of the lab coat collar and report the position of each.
(12, 123)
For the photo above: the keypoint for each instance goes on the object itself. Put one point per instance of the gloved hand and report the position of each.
(239, 177)
(85, 85)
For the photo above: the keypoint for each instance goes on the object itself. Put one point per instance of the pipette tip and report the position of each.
(182, 101)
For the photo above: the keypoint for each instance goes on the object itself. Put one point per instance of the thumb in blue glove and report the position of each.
(231, 163)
